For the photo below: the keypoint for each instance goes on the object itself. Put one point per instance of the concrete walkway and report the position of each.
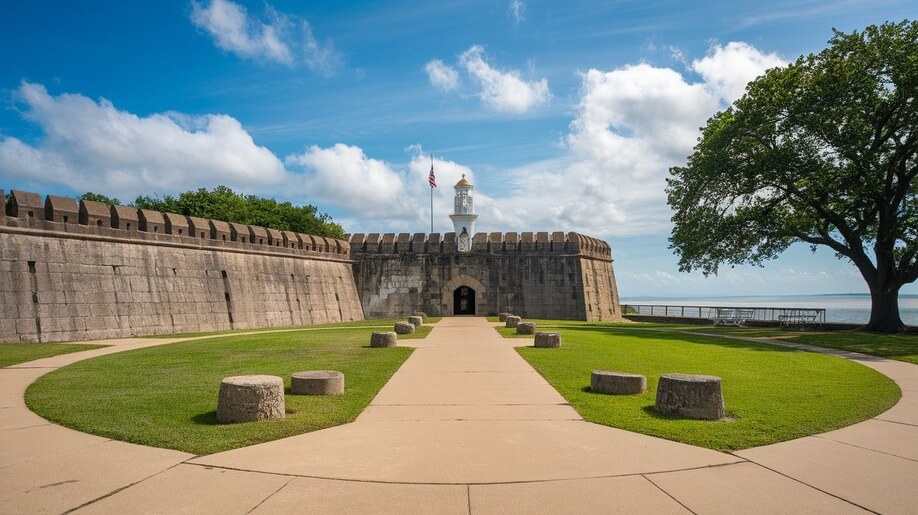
(465, 425)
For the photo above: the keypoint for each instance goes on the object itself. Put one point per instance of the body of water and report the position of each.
(850, 308)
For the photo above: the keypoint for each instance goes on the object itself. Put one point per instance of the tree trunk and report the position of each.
(884, 309)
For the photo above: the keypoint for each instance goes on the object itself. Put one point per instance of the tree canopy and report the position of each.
(822, 151)
(98, 197)
(222, 203)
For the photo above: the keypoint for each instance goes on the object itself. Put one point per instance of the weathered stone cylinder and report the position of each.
(690, 396)
(525, 328)
(419, 314)
(547, 340)
(618, 383)
(404, 328)
(248, 398)
(416, 321)
(512, 321)
(317, 382)
(387, 339)
(503, 316)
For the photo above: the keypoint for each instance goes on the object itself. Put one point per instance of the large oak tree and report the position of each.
(822, 151)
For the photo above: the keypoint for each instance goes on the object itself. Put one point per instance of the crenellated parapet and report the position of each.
(482, 243)
(28, 210)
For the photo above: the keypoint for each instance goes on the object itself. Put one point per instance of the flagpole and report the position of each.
(431, 197)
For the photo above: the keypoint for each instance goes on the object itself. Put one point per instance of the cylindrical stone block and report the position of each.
(512, 321)
(525, 328)
(503, 316)
(419, 314)
(404, 328)
(248, 398)
(388, 339)
(547, 340)
(690, 396)
(416, 321)
(619, 383)
(317, 382)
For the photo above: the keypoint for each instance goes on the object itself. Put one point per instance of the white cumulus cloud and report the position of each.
(727, 69)
(377, 195)
(343, 175)
(441, 75)
(235, 31)
(503, 91)
(279, 38)
(92, 145)
(631, 125)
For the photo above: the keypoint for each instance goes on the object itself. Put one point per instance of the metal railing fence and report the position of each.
(817, 315)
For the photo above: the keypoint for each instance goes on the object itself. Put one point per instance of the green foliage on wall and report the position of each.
(222, 203)
(98, 197)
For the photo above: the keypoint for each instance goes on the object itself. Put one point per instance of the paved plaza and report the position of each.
(464, 426)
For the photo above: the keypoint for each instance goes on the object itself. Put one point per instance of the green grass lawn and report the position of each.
(166, 396)
(772, 393)
(902, 347)
(16, 353)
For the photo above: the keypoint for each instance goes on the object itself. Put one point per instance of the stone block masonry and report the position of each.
(86, 277)
(536, 275)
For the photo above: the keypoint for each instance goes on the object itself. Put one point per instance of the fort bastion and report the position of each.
(80, 270)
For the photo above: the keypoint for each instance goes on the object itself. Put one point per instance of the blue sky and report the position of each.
(566, 115)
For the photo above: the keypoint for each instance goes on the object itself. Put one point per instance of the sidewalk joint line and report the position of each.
(120, 489)
(272, 494)
(821, 437)
(669, 494)
(813, 487)
(468, 483)
(893, 421)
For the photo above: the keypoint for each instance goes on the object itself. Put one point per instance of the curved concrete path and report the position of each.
(465, 425)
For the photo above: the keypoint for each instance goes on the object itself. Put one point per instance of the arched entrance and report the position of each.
(464, 301)
(475, 294)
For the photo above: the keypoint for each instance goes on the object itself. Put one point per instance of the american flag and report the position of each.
(431, 179)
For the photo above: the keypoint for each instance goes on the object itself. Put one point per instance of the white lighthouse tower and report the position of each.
(464, 216)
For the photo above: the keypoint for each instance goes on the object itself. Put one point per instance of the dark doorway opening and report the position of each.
(464, 301)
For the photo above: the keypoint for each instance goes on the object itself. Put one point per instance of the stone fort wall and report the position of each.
(77, 271)
(536, 275)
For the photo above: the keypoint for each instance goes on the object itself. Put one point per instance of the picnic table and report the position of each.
(797, 317)
(733, 316)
